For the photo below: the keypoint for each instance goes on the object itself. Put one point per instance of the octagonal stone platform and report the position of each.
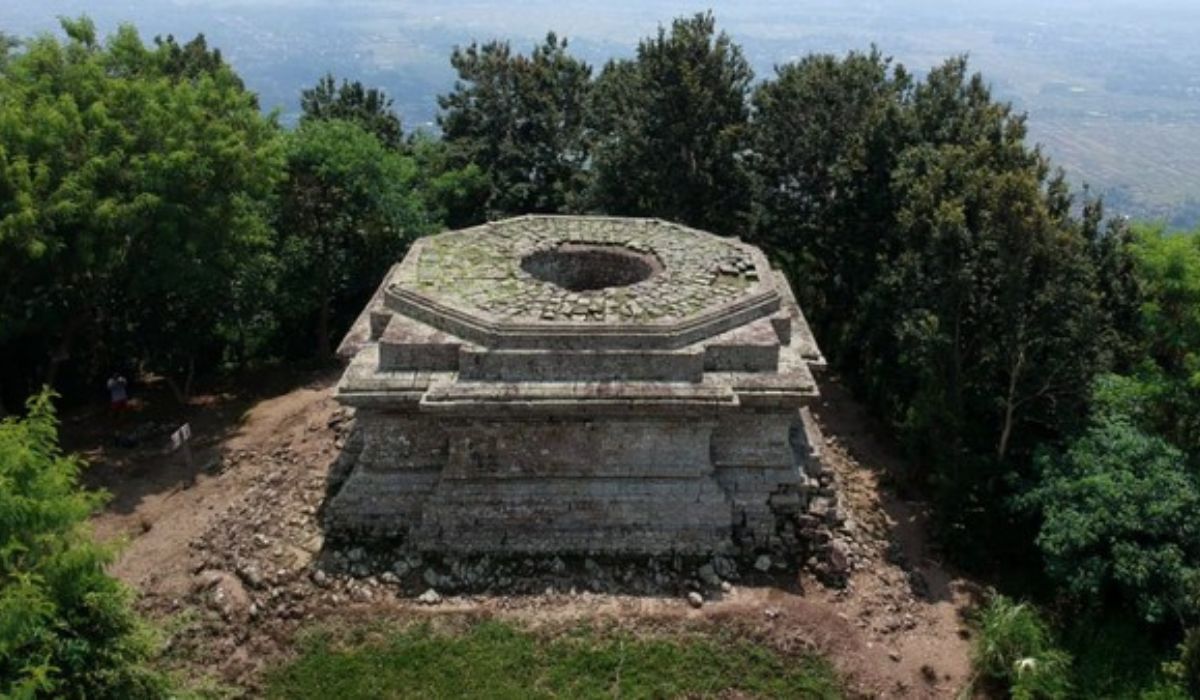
(560, 384)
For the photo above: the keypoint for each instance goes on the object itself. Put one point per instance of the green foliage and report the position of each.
(671, 129)
(1117, 657)
(192, 60)
(66, 627)
(941, 266)
(824, 135)
(520, 120)
(370, 108)
(134, 185)
(1117, 505)
(1168, 269)
(494, 660)
(151, 213)
(8, 44)
(1118, 510)
(1015, 649)
(455, 195)
(348, 210)
(1188, 667)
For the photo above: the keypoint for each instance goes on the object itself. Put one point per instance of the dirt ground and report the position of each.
(221, 549)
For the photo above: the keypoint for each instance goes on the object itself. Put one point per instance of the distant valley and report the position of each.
(1112, 89)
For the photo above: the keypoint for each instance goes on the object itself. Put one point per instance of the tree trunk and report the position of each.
(1010, 406)
(62, 351)
(183, 393)
(323, 349)
(60, 354)
(191, 375)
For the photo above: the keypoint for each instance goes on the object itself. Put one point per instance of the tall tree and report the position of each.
(520, 119)
(191, 60)
(1168, 270)
(456, 193)
(826, 136)
(671, 129)
(135, 189)
(348, 209)
(370, 108)
(941, 262)
(8, 44)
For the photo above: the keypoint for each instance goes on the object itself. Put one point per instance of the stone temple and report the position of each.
(553, 384)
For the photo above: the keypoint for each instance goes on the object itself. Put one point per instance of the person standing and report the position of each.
(118, 393)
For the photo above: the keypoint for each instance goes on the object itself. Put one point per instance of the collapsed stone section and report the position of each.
(594, 386)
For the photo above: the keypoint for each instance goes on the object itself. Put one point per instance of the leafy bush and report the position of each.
(1118, 511)
(348, 210)
(1117, 656)
(66, 628)
(1015, 649)
(1188, 666)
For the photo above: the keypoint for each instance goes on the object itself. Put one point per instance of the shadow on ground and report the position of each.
(129, 454)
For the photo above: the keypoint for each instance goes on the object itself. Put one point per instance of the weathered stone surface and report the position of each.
(582, 385)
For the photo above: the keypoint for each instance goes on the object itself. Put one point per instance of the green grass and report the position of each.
(497, 660)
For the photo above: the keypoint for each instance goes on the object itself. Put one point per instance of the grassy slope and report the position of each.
(495, 660)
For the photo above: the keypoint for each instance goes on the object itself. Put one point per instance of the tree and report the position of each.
(191, 60)
(7, 45)
(369, 108)
(135, 186)
(939, 258)
(1118, 512)
(520, 120)
(826, 134)
(456, 195)
(671, 129)
(1168, 268)
(1119, 287)
(66, 627)
(348, 209)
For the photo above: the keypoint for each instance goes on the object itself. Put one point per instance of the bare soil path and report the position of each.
(222, 551)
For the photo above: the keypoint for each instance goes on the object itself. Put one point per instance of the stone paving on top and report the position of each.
(481, 268)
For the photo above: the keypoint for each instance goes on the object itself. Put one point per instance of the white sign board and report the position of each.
(180, 437)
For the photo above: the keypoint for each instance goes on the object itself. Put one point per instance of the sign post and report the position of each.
(182, 438)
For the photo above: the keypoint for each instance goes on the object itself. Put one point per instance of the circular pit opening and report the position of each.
(580, 267)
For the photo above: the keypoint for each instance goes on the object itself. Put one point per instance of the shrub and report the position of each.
(1118, 510)
(66, 627)
(1118, 656)
(1189, 662)
(1015, 650)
